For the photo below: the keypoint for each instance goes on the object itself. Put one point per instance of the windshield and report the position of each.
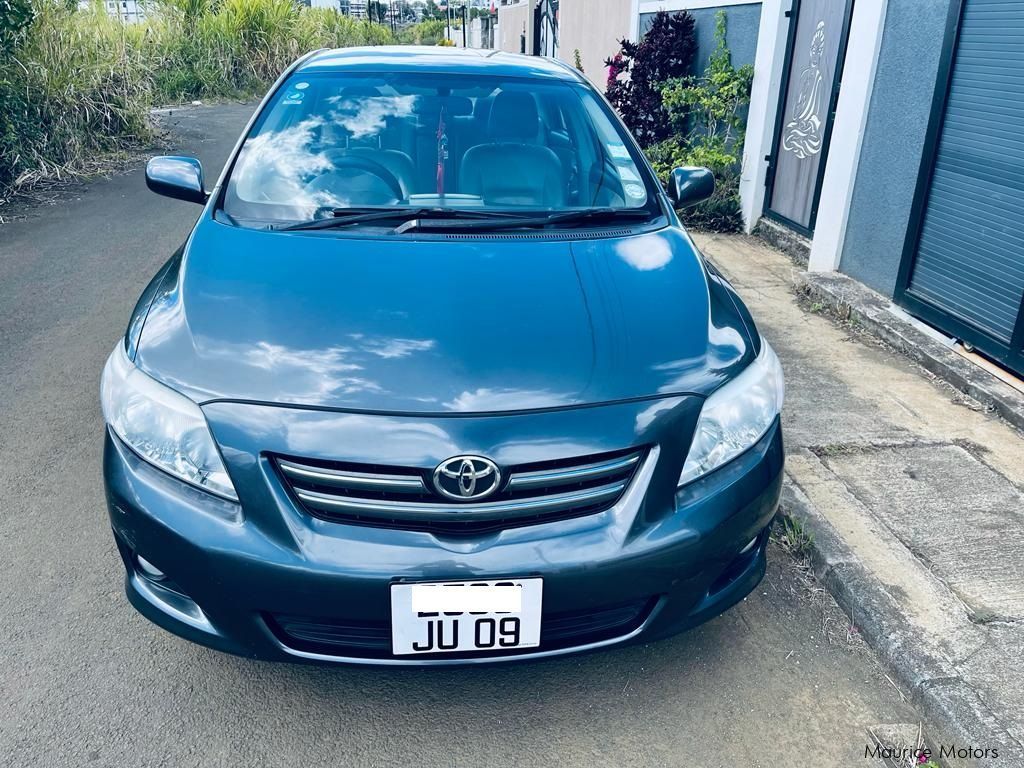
(330, 141)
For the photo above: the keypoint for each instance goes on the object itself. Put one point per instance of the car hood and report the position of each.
(455, 325)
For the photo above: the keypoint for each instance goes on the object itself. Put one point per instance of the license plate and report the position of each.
(466, 616)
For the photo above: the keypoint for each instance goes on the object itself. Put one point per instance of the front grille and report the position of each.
(401, 497)
(372, 639)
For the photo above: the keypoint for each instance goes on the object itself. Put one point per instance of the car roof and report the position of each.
(422, 58)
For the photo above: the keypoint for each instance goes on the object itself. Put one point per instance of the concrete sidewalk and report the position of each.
(914, 497)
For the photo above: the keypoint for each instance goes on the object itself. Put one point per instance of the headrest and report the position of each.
(454, 106)
(358, 91)
(514, 116)
(482, 109)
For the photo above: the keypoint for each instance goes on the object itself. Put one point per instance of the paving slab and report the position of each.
(962, 519)
(928, 608)
(995, 671)
(912, 493)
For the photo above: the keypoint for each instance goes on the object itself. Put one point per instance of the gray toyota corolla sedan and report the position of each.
(438, 378)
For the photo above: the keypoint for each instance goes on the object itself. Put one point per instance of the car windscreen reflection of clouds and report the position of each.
(389, 349)
(362, 116)
(274, 168)
(490, 399)
(323, 373)
(644, 254)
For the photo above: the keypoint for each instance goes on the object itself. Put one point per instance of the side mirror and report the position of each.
(177, 177)
(688, 186)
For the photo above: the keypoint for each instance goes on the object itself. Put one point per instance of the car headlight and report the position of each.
(162, 426)
(736, 416)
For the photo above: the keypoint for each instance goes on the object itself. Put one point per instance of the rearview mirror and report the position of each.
(688, 186)
(177, 177)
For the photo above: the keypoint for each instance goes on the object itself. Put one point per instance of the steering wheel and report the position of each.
(373, 168)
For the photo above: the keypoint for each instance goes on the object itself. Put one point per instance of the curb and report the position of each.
(873, 312)
(791, 243)
(952, 709)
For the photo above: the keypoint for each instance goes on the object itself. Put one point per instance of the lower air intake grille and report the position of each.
(372, 639)
(403, 498)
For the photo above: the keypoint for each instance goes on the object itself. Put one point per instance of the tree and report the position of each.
(637, 73)
(377, 10)
(432, 11)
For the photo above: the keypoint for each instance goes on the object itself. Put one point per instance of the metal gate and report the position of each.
(963, 261)
(545, 28)
(815, 51)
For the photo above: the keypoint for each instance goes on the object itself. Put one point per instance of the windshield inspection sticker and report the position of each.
(295, 97)
(301, 86)
(634, 191)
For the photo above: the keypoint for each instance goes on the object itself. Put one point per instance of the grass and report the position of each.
(77, 83)
(794, 538)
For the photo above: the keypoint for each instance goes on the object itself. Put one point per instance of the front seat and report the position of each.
(512, 168)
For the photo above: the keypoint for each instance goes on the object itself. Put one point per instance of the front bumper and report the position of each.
(233, 576)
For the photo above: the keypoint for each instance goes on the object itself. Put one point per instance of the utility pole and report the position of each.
(463, 25)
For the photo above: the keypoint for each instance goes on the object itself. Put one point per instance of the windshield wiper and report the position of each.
(342, 217)
(490, 223)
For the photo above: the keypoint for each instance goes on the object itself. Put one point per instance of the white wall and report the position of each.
(513, 19)
(764, 99)
(129, 11)
(594, 27)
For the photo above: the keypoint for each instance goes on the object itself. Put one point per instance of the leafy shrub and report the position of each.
(431, 32)
(15, 18)
(637, 72)
(721, 211)
(714, 102)
(708, 111)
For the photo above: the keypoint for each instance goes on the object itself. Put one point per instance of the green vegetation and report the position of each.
(709, 115)
(74, 83)
(681, 119)
(430, 32)
(638, 73)
(794, 538)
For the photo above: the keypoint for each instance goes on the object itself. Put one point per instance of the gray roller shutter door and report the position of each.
(970, 257)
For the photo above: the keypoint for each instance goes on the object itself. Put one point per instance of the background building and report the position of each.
(129, 11)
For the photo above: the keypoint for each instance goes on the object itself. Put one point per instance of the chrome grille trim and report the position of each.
(405, 498)
(355, 480)
(554, 477)
(479, 511)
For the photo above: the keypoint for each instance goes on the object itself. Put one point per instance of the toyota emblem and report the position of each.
(466, 478)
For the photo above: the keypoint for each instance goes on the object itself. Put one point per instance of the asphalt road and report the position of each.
(84, 680)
